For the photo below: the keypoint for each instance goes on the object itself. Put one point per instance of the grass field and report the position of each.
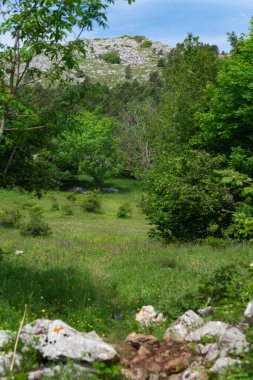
(96, 270)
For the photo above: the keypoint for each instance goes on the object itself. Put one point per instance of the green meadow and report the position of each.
(95, 271)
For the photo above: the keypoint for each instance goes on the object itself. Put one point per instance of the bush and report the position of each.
(139, 39)
(146, 44)
(161, 62)
(71, 198)
(124, 210)
(187, 200)
(54, 205)
(92, 203)
(112, 57)
(67, 210)
(35, 224)
(9, 217)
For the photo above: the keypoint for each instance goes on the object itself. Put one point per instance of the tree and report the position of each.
(52, 28)
(188, 69)
(90, 147)
(226, 125)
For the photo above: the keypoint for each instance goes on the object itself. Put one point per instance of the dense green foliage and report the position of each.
(206, 108)
(112, 57)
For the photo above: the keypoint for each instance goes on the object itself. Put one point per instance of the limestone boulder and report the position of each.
(5, 337)
(222, 364)
(183, 326)
(5, 362)
(248, 314)
(56, 340)
(148, 316)
(229, 339)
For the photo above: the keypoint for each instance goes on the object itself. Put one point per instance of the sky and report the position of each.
(169, 21)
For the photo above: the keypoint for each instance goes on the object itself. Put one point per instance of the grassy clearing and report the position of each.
(95, 271)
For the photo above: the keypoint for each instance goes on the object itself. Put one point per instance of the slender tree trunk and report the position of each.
(7, 167)
(2, 125)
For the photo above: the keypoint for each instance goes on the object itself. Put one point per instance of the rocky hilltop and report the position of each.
(114, 60)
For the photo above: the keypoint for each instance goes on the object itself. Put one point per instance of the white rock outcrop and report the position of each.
(148, 316)
(5, 362)
(56, 340)
(222, 364)
(5, 336)
(248, 314)
(229, 339)
(183, 326)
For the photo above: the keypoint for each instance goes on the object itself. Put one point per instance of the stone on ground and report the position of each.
(181, 328)
(5, 337)
(148, 316)
(248, 314)
(136, 340)
(222, 364)
(56, 340)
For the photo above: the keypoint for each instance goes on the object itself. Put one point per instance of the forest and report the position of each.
(114, 197)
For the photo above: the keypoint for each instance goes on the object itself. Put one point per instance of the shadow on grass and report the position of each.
(56, 292)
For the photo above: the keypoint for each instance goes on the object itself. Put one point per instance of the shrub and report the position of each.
(124, 210)
(92, 203)
(67, 209)
(146, 44)
(112, 57)
(35, 224)
(71, 198)
(161, 62)
(139, 39)
(9, 217)
(187, 200)
(54, 204)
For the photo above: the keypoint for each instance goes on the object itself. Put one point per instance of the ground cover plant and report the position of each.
(95, 271)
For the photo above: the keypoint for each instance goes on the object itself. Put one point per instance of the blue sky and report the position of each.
(169, 21)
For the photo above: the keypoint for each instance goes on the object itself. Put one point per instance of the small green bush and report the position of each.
(146, 44)
(161, 62)
(67, 209)
(9, 218)
(35, 224)
(139, 39)
(92, 203)
(124, 210)
(112, 57)
(71, 198)
(54, 204)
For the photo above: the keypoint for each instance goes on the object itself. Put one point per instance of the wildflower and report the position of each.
(43, 310)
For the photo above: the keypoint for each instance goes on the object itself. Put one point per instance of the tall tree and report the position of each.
(190, 66)
(227, 123)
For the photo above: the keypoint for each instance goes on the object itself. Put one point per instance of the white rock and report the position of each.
(191, 319)
(5, 337)
(181, 328)
(176, 333)
(195, 372)
(17, 252)
(205, 311)
(56, 340)
(148, 316)
(222, 364)
(248, 314)
(229, 338)
(37, 375)
(211, 351)
(5, 362)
